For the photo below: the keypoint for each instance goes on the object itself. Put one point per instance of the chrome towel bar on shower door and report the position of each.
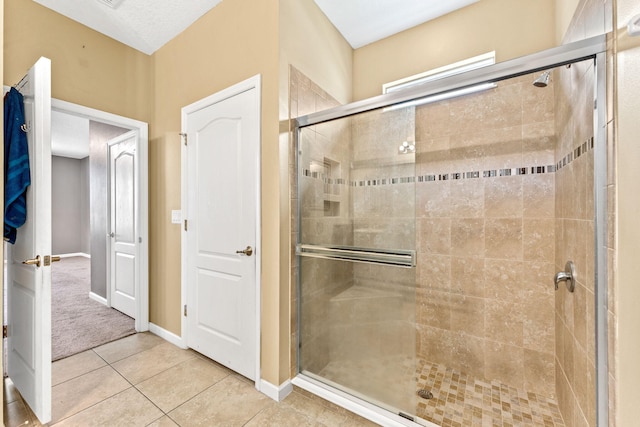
(396, 257)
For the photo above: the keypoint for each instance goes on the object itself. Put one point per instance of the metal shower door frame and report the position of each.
(593, 48)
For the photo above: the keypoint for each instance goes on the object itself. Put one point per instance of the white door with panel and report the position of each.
(222, 164)
(29, 259)
(123, 235)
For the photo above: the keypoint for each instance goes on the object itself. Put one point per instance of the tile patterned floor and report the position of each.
(142, 380)
(460, 400)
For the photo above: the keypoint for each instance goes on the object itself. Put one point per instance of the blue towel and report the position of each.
(17, 175)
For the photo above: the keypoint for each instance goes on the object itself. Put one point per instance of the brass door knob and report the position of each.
(34, 261)
(248, 251)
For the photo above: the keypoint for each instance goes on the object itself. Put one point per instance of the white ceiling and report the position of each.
(365, 21)
(146, 25)
(69, 135)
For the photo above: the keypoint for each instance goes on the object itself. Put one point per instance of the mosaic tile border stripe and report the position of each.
(492, 173)
(576, 153)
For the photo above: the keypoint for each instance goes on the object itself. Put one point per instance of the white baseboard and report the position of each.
(98, 298)
(276, 393)
(167, 336)
(82, 254)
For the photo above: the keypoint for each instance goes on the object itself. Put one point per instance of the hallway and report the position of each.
(142, 380)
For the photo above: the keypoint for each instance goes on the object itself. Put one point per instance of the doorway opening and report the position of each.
(83, 232)
(80, 316)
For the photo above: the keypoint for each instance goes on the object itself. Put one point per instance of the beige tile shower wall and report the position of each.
(383, 201)
(383, 212)
(574, 312)
(325, 216)
(485, 244)
(574, 317)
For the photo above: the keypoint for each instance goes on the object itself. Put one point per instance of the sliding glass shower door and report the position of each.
(357, 275)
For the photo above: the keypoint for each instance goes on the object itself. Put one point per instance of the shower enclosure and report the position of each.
(429, 232)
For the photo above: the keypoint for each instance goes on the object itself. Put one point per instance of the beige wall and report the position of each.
(625, 301)
(234, 41)
(564, 10)
(511, 28)
(309, 42)
(88, 68)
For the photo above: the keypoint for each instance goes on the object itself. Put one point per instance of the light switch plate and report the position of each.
(176, 217)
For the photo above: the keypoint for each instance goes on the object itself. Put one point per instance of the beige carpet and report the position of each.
(79, 323)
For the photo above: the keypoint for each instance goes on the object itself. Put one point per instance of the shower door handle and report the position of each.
(394, 257)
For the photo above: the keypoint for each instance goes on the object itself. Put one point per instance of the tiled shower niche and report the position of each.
(477, 321)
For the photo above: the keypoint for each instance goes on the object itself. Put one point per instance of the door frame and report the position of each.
(248, 84)
(142, 205)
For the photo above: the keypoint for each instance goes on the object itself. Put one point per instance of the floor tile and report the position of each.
(144, 365)
(173, 387)
(281, 417)
(81, 392)
(16, 414)
(128, 346)
(11, 393)
(298, 410)
(176, 385)
(74, 366)
(163, 422)
(16, 410)
(230, 402)
(128, 408)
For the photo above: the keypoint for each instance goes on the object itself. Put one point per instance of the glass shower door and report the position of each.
(356, 251)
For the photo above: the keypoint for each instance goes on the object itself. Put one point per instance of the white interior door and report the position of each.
(29, 286)
(123, 247)
(222, 173)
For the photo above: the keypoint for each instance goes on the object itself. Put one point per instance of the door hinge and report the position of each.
(185, 225)
(184, 137)
(185, 310)
(5, 331)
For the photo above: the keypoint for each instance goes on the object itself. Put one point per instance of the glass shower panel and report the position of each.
(357, 256)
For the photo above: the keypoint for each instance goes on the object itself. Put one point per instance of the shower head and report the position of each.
(542, 80)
